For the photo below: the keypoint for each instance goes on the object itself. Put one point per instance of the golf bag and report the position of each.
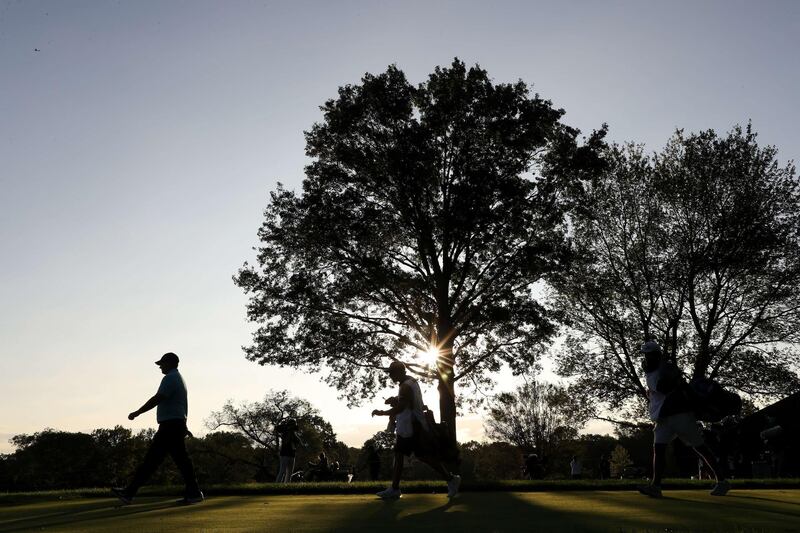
(441, 441)
(711, 402)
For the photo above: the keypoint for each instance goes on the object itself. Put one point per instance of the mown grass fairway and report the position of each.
(684, 510)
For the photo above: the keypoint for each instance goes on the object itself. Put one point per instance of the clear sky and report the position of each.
(139, 141)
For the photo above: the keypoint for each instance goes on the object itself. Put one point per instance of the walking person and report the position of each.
(672, 413)
(171, 403)
(407, 410)
(290, 439)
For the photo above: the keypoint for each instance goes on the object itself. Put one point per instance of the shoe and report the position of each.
(650, 490)
(389, 494)
(123, 496)
(191, 500)
(721, 488)
(452, 486)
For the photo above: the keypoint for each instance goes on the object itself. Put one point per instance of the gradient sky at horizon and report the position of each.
(139, 144)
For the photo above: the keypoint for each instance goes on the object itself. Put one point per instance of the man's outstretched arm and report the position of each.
(149, 404)
(399, 404)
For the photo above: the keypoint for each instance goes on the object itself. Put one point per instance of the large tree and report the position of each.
(537, 417)
(428, 215)
(696, 247)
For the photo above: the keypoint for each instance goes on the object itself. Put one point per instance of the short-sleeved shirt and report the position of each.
(404, 426)
(175, 405)
(671, 398)
(656, 397)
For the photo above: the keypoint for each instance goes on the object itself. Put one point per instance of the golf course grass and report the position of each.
(679, 510)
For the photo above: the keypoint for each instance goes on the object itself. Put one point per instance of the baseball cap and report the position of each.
(168, 358)
(650, 346)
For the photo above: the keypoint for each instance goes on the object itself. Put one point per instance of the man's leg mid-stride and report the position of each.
(155, 455)
(177, 449)
(168, 440)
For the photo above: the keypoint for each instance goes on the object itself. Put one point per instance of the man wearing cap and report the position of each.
(171, 410)
(407, 410)
(671, 410)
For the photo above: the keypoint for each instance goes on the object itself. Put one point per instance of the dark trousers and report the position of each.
(169, 439)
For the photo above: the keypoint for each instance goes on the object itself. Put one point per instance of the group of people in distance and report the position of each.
(670, 411)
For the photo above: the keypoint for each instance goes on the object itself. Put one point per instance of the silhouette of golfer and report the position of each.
(171, 410)
(412, 432)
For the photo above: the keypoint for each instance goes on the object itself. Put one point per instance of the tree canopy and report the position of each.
(427, 217)
(695, 247)
(536, 417)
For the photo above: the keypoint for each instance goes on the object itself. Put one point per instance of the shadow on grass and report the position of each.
(498, 512)
(564, 512)
(95, 512)
(735, 503)
(750, 496)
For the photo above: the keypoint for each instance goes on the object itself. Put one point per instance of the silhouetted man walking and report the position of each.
(671, 411)
(411, 428)
(171, 411)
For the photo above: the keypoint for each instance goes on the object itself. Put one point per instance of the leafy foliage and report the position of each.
(52, 459)
(538, 417)
(224, 457)
(258, 422)
(427, 217)
(696, 247)
(490, 461)
(620, 458)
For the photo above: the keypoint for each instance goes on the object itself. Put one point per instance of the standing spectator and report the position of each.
(671, 411)
(575, 468)
(171, 402)
(290, 439)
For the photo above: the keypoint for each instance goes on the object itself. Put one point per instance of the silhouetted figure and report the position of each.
(411, 429)
(671, 410)
(575, 468)
(171, 410)
(319, 471)
(287, 431)
(533, 467)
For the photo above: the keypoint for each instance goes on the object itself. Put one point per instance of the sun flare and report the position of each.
(431, 355)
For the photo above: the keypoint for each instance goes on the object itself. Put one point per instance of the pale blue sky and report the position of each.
(138, 147)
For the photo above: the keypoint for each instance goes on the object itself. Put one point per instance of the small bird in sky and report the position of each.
(36, 50)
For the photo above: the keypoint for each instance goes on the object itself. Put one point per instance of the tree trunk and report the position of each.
(703, 359)
(445, 340)
(447, 396)
(447, 403)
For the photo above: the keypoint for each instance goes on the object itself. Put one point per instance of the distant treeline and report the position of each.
(53, 459)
